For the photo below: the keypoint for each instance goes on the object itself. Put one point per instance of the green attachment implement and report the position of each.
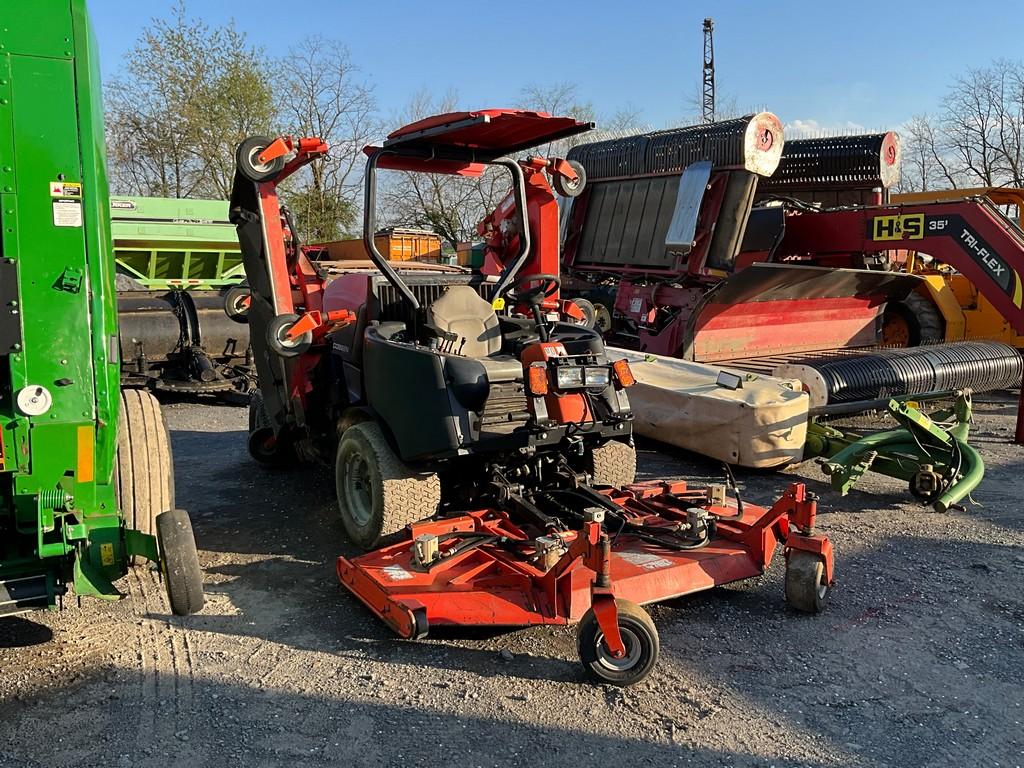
(930, 453)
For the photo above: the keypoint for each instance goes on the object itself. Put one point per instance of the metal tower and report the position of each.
(709, 72)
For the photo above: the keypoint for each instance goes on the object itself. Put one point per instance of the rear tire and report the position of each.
(912, 322)
(179, 562)
(602, 319)
(144, 471)
(378, 495)
(613, 463)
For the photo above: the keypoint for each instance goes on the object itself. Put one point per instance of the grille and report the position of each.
(426, 291)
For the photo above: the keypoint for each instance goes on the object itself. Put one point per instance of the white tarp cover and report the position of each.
(761, 424)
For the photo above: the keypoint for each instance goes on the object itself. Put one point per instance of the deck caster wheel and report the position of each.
(639, 635)
(248, 163)
(567, 188)
(602, 319)
(264, 445)
(589, 312)
(277, 337)
(237, 300)
(179, 562)
(806, 587)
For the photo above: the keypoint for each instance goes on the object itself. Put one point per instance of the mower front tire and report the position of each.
(378, 495)
(639, 636)
(613, 463)
(806, 588)
(179, 562)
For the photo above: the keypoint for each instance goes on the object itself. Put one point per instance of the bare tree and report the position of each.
(977, 136)
(561, 99)
(446, 204)
(188, 94)
(322, 94)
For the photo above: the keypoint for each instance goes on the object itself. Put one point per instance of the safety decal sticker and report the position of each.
(67, 213)
(66, 189)
(645, 560)
(396, 572)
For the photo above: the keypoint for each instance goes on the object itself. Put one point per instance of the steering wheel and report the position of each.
(547, 286)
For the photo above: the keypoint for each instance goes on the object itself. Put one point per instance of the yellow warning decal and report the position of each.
(498, 304)
(86, 469)
(909, 226)
(1018, 296)
(65, 189)
(107, 554)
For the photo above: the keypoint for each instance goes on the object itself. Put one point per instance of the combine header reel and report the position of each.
(480, 438)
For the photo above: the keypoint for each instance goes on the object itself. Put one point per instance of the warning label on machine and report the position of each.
(67, 213)
(65, 189)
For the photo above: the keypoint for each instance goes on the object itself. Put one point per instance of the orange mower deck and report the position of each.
(490, 572)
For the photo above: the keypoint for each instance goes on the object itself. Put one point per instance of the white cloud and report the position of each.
(804, 129)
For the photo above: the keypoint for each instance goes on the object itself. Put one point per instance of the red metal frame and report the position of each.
(498, 584)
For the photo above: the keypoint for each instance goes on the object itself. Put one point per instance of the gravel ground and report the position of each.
(919, 660)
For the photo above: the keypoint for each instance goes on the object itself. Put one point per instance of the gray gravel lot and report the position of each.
(919, 660)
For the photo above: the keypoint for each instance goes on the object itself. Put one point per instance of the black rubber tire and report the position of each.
(923, 320)
(245, 159)
(378, 495)
(613, 463)
(567, 188)
(806, 590)
(280, 345)
(262, 444)
(589, 312)
(144, 471)
(639, 635)
(179, 562)
(232, 303)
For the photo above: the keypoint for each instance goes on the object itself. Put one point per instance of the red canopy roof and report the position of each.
(461, 142)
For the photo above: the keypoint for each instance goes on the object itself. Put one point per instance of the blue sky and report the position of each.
(822, 64)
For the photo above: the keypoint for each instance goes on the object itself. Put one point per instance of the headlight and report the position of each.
(577, 376)
(569, 376)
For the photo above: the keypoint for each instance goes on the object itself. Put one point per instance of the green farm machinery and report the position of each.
(86, 481)
(176, 260)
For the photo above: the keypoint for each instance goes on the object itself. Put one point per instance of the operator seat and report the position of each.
(462, 311)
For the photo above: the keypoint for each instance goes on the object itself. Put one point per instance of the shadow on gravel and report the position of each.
(19, 632)
(215, 723)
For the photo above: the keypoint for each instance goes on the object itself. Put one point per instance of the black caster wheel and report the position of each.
(277, 337)
(639, 636)
(248, 163)
(567, 188)
(179, 562)
(237, 300)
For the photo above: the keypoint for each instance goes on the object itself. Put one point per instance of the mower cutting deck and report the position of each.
(646, 543)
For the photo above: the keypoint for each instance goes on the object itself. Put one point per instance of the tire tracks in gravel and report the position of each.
(166, 697)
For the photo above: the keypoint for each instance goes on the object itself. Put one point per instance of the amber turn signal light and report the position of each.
(623, 374)
(538, 379)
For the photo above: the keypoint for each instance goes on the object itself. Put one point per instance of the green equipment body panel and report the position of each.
(59, 372)
(166, 243)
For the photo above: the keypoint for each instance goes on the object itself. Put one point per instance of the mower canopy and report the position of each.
(465, 142)
(462, 144)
